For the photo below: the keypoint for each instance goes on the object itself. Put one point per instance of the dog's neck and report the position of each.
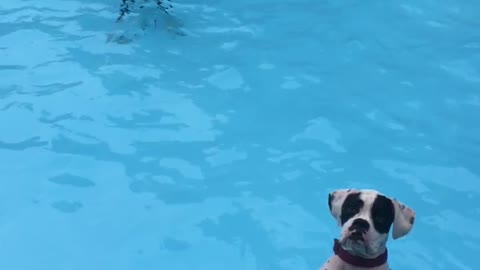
(358, 261)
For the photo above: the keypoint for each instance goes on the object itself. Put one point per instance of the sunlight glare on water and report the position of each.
(209, 138)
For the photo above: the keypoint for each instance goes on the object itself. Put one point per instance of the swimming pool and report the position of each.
(211, 139)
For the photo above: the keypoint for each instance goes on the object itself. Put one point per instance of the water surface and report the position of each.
(210, 138)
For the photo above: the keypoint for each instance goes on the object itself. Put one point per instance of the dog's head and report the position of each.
(366, 217)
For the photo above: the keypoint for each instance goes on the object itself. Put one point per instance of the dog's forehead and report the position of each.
(365, 194)
(368, 196)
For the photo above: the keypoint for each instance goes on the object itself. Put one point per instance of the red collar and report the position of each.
(356, 260)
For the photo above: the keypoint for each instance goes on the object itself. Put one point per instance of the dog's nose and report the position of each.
(359, 225)
(356, 235)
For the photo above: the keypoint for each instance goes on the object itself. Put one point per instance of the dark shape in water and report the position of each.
(127, 6)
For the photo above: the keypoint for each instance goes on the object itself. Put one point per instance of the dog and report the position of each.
(365, 217)
(127, 6)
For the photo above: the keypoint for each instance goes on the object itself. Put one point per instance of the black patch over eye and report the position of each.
(383, 214)
(351, 206)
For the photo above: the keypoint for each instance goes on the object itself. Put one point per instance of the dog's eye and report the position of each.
(379, 219)
(350, 209)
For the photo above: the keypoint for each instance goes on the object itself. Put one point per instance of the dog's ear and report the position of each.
(403, 221)
(335, 202)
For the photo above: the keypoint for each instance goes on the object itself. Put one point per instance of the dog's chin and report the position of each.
(358, 247)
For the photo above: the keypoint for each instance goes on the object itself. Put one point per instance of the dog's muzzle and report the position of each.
(358, 228)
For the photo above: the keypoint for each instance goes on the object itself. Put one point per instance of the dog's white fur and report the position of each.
(374, 242)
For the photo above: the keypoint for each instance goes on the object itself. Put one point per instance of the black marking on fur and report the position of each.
(351, 206)
(383, 214)
(330, 199)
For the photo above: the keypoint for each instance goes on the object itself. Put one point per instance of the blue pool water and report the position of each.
(210, 138)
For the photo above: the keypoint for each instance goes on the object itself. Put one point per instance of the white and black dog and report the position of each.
(365, 217)
(128, 5)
